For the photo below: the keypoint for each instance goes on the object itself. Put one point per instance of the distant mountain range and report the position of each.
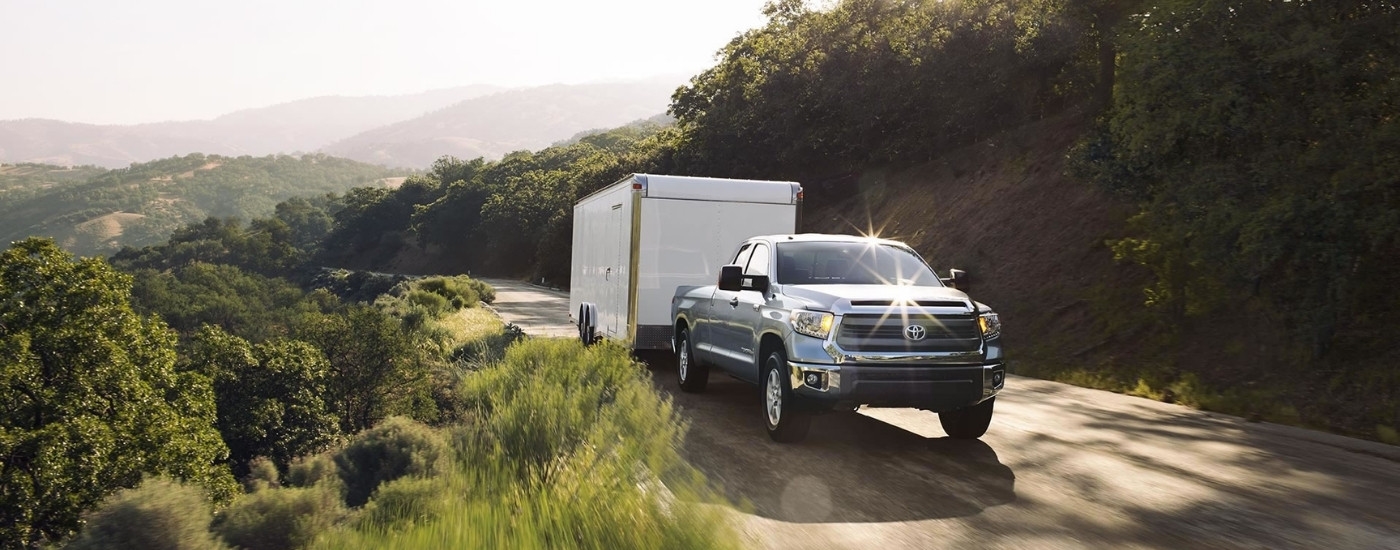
(493, 125)
(404, 131)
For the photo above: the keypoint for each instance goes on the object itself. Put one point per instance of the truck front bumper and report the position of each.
(933, 387)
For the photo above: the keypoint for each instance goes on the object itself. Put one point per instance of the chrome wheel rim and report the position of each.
(683, 364)
(773, 398)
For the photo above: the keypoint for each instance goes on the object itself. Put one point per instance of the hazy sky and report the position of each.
(129, 61)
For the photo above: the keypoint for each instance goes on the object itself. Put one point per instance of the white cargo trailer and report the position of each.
(636, 240)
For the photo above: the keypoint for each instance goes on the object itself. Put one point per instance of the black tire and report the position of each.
(968, 423)
(787, 422)
(586, 330)
(691, 373)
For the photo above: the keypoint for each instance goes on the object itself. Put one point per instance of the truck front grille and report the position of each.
(894, 333)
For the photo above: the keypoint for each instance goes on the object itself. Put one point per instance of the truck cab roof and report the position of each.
(824, 237)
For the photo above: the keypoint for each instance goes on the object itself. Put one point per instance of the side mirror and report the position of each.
(959, 279)
(754, 282)
(729, 277)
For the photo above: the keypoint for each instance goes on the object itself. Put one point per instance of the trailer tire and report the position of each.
(587, 324)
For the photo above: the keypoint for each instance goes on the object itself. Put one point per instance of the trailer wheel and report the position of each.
(587, 325)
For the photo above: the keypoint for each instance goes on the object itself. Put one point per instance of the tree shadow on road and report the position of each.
(852, 468)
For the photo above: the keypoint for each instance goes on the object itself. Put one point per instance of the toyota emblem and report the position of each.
(914, 332)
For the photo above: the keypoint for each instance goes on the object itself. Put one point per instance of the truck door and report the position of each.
(746, 316)
(719, 326)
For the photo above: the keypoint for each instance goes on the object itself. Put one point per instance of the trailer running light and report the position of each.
(636, 186)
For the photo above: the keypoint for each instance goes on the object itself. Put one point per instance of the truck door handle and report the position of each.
(734, 302)
(755, 307)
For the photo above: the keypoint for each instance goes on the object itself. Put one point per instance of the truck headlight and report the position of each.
(816, 324)
(990, 323)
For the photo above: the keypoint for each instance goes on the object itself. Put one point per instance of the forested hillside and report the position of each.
(1188, 200)
(90, 211)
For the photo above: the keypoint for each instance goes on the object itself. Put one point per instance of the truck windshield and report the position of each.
(851, 263)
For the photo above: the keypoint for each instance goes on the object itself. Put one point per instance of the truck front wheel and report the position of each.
(787, 422)
(968, 423)
(692, 375)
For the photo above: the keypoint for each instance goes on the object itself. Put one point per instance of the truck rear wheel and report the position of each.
(968, 423)
(787, 422)
(692, 375)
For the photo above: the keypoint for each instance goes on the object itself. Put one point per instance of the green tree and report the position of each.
(269, 396)
(377, 368)
(90, 397)
(249, 305)
(1261, 139)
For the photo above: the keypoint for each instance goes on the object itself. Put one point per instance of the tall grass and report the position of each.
(567, 448)
(556, 446)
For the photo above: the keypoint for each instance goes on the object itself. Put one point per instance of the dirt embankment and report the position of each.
(1032, 239)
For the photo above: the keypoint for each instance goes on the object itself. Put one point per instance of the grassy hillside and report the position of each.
(22, 181)
(91, 211)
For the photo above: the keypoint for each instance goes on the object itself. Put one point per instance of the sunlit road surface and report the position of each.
(1061, 467)
(539, 311)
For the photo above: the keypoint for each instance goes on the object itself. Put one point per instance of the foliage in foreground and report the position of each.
(161, 514)
(568, 449)
(565, 447)
(90, 397)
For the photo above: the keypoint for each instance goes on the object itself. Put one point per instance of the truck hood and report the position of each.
(831, 297)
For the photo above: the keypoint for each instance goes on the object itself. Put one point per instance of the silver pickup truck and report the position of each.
(826, 322)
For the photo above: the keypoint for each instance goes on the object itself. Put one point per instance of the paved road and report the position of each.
(539, 311)
(1061, 467)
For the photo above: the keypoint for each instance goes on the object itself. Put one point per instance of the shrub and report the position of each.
(484, 292)
(405, 501)
(461, 290)
(395, 448)
(434, 303)
(262, 474)
(272, 519)
(160, 514)
(313, 470)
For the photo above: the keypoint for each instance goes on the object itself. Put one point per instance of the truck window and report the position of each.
(743, 256)
(851, 263)
(758, 263)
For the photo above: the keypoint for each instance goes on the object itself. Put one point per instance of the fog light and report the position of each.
(998, 378)
(814, 380)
